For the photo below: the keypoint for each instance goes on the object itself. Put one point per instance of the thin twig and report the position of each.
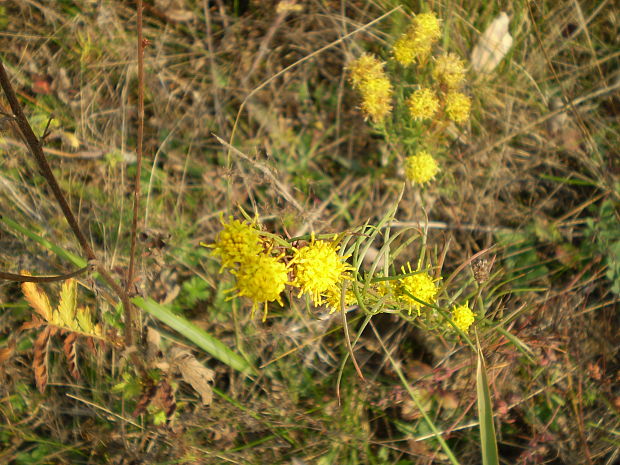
(131, 320)
(345, 326)
(136, 191)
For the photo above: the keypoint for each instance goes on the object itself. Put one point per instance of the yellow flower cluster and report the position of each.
(423, 104)
(416, 43)
(369, 79)
(262, 279)
(457, 106)
(462, 317)
(449, 70)
(421, 167)
(238, 242)
(333, 297)
(260, 276)
(420, 285)
(316, 269)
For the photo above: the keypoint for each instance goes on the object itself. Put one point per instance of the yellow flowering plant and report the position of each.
(412, 97)
(328, 272)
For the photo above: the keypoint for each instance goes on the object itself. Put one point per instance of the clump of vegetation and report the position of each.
(432, 211)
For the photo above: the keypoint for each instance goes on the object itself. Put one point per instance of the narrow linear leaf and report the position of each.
(488, 442)
(71, 257)
(70, 350)
(201, 338)
(39, 363)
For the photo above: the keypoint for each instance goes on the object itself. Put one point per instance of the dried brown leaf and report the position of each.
(166, 399)
(148, 394)
(193, 373)
(36, 322)
(492, 46)
(70, 350)
(153, 341)
(39, 364)
(7, 352)
(37, 298)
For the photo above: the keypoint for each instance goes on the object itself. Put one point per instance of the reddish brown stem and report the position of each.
(136, 192)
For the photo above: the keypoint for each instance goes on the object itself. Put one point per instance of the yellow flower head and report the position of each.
(333, 297)
(426, 25)
(449, 70)
(408, 49)
(317, 267)
(238, 242)
(369, 79)
(462, 317)
(458, 106)
(262, 279)
(419, 285)
(421, 167)
(376, 98)
(423, 104)
(415, 44)
(366, 67)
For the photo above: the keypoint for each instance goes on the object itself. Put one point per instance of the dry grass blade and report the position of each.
(69, 347)
(39, 363)
(193, 373)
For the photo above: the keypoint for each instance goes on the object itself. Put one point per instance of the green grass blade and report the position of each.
(71, 257)
(488, 442)
(201, 338)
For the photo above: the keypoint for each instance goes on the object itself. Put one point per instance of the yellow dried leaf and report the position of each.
(68, 304)
(84, 320)
(38, 300)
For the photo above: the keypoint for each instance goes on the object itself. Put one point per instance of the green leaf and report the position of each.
(488, 442)
(192, 332)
